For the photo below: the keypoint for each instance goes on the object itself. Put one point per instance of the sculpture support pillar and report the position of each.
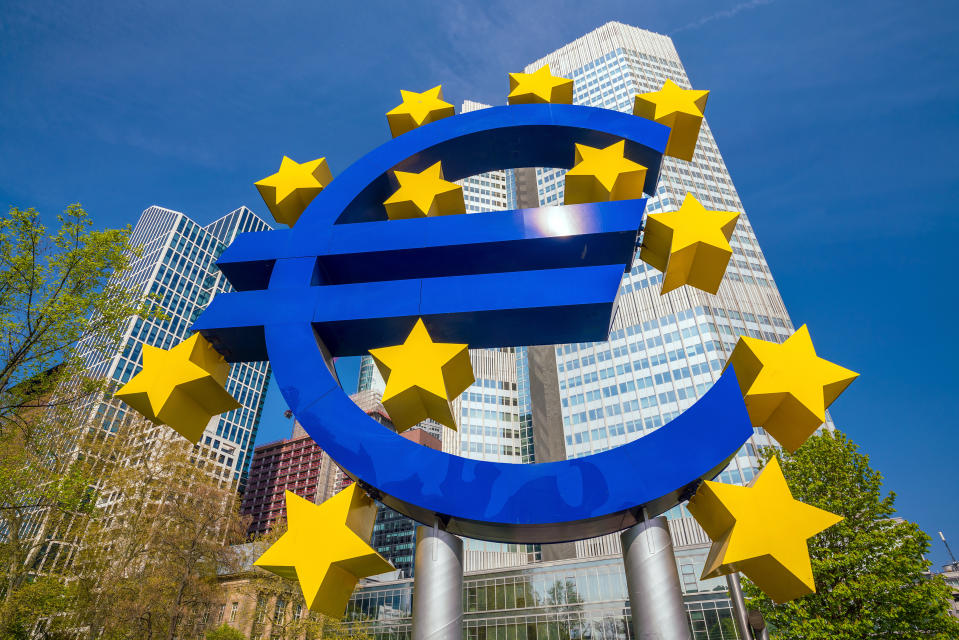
(739, 606)
(655, 597)
(437, 585)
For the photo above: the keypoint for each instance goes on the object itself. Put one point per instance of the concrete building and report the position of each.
(294, 464)
(664, 352)
(950, 573)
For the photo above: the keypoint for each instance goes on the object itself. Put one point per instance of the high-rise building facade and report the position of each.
(664, 351)
(177, 265)
(173, 259)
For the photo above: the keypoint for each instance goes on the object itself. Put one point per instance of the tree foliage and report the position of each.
(870, 572)
(148, 563)
(109, 531)
(23, 614)
(58, 290)
(224, 632)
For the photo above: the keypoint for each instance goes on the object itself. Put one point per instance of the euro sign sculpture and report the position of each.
(345, 280)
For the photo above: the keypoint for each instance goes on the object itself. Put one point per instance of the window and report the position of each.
(260, 612)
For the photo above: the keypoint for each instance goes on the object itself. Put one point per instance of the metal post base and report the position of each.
(739, 606)
(437, 585)
(655, 597)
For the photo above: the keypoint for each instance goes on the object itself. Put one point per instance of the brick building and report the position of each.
(295, 464)
(299, 465)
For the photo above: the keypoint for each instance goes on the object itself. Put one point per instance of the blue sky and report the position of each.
(837, 122)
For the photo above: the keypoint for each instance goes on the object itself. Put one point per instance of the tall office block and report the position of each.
(177, 265)
(664, 351)
(537, 404)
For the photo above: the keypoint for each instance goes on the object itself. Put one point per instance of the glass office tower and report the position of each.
(177, 265)
(664, 351)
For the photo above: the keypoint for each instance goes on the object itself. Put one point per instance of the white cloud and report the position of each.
(722, 15)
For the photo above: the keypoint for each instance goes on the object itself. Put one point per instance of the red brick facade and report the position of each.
(297, 465)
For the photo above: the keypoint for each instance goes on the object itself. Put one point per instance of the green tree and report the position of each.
(61, 306)
(57, 291)
(148, 563)
(20, 616)
(224, 632)
(870, 572)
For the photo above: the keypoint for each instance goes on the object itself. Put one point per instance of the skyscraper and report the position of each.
(173, 259)
(664, 351)
(177, 265)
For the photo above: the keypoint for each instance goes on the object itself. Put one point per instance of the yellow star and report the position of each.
(325, 548)
(787, 387)
(422, 377)
(690, 246)
(539, 87)
(418, 109)
(182, 387)
(600, 175)
(424, 194)
(760, 530)
(679, 109)
(290, 190)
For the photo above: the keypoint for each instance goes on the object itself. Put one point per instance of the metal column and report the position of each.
(655, 597)
(739, 606)
(437, 585)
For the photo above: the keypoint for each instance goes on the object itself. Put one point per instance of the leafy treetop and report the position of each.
(871, 577)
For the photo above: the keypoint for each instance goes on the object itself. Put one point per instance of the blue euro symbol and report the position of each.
(345, 280)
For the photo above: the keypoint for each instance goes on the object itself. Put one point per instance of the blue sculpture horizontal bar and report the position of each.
(537, 307)
(524, 239)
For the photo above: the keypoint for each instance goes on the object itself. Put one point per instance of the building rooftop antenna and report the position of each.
(951, 555)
